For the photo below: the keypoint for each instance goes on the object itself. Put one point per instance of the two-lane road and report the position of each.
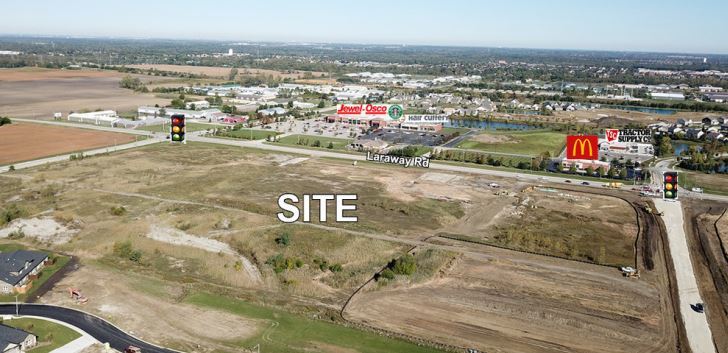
(700, 338)
(98, 328)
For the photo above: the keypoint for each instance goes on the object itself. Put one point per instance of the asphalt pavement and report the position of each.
(100, 329)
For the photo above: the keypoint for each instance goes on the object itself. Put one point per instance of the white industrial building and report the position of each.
(104, 117)
(303, 105)
(145, 112)
(197, 105)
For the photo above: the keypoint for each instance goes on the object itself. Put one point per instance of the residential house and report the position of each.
(13, 340)
(19, 268)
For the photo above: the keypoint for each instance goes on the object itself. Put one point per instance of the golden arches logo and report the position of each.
(583, 143)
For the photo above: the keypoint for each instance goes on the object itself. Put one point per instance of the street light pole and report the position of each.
(17, 308)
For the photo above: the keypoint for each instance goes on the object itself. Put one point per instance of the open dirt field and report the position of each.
(38, 93)
(22, 142)
(126, 301)
(223, 72)
(490, 138)
(517, 303)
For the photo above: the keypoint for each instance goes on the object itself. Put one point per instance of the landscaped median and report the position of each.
(246, 134)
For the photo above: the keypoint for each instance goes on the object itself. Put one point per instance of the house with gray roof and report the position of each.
(18, 268)
(14, 340)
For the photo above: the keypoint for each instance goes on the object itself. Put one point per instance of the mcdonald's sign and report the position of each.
(582, 147)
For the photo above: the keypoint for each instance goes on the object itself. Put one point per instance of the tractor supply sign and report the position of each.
(426, 119)
(582, 147)
(628, 135)
(422, 162)
(389, 111)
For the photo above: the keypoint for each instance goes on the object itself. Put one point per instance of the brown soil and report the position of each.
(22, 142)
(488, 138)
(162, 321)
(510, 303)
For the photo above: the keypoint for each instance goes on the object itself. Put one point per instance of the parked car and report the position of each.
(584, 183)
(567, 181)
(698, 307)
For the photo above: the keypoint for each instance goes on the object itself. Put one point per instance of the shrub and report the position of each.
(11, 168)
(405, 265)
(125, 250)
(335, 268)
(118, 210)
(10, 213)
(284, 239)
(330, 146)
(387, 274)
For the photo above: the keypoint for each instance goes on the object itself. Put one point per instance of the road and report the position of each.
(700, 338)
(98, 328)
(259, 144)
(67, 156)
(454, 142)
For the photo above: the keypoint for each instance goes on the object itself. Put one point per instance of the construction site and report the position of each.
(181, 226)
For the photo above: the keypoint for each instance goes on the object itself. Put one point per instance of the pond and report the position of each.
(484, 124)
(679, 147)
(648, 110)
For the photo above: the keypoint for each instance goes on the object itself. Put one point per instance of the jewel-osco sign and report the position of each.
(582, 147)
(387, 111)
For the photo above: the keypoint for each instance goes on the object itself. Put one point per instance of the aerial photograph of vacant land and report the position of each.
(286, 177)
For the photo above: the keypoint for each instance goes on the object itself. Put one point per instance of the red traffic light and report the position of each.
(668, 178)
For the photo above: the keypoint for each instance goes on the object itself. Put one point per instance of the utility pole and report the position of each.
(17, 305)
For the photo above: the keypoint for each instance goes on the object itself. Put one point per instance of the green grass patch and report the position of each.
(294, 333)
(710, 183)
(519, 142)
(247, 134)
(190, 127)
(309, 141)
(50, 335)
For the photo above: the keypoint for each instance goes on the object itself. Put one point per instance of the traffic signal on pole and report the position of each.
(669, 185)
(177, 129)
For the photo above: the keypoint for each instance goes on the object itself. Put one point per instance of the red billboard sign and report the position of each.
(611, 134)
(582, 147)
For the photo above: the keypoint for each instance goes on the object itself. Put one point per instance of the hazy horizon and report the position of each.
(649, 26)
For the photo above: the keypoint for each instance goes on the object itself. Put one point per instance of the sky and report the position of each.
(695, 26)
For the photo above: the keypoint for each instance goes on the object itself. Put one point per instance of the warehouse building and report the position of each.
(103, 117)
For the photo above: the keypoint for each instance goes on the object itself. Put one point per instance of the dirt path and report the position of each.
(177, 237)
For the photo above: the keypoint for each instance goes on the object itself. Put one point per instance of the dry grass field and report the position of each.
(200, 219)
(22, 142)
(38, 93)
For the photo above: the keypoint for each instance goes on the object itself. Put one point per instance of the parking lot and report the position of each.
(394, 137)
(316, 127)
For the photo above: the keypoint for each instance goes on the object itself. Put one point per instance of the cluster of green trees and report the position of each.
(702, 159)
(540, 162)
(404, 265)
(315, 143)
(125, 250)
(133, 83)
(4, 120)
(407, 151)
